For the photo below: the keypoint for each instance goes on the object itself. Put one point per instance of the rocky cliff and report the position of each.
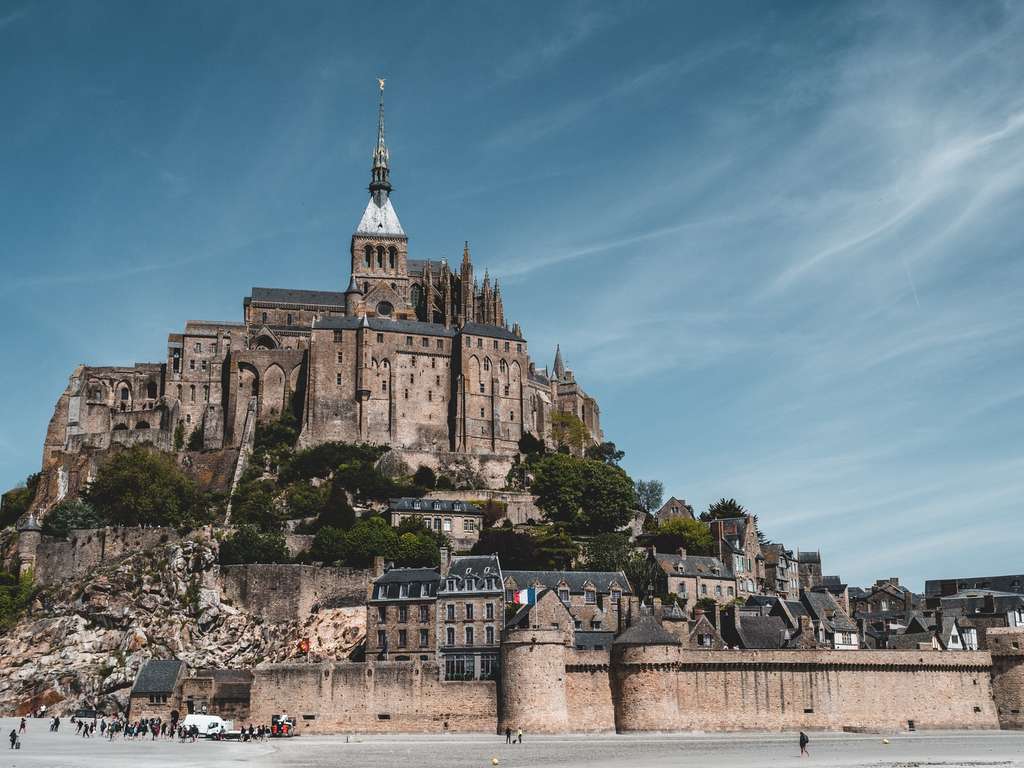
(83, 641)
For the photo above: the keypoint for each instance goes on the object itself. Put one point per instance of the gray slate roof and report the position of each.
(350, 323)
(576, 580)
(696, 565)
(763, 632)
(823, 607)
(418, 583)
(157, 676)
(474, 566)
(647, 631)
(1009, 583)
(492, 331)
(426, 506)
(298, 296)
(593, 639)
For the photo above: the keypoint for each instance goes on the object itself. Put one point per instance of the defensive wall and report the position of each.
(58, 559)
(372, 697)
(1006, 644)
(291, 592)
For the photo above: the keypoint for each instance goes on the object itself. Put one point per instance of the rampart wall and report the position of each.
(62, 559)
(291, 592)
(1006, 644)
(372, 697)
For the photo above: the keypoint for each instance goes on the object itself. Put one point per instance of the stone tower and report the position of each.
(533, 681)
(645, 659)
(380, 248)
(30, 534)
(1006, 644)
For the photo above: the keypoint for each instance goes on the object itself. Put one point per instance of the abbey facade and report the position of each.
(415, 354)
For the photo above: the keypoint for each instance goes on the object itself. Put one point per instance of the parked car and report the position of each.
(283, 726)
(208, 725)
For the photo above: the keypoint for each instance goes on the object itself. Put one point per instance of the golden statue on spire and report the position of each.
(380, 82)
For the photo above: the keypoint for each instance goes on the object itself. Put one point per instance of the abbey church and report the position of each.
(416, 354)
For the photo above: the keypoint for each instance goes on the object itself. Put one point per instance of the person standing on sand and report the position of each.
(519, 735)
(22, 728)
(13, 737)
(803, 745)
(508, 735)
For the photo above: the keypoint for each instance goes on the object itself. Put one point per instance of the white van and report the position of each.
(208, 725)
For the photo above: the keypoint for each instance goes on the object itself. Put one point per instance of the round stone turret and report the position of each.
(30, 534)
(533, 681)
(645, 660)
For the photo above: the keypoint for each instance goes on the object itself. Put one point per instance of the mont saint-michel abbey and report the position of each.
(417, 354)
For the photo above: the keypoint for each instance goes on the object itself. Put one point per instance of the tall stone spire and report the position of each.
(559, 367)
(380, 183)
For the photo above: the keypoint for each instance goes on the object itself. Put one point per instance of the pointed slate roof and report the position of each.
(380, 220)
(647, 631)
(559, 366)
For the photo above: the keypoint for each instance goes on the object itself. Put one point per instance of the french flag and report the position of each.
(525, 596)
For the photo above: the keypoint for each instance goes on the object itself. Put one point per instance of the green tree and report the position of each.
(417, 550)
(558, 485)
(139, 486)
(608, 498)
(16, 501)
(253, 504)
(514, 550)
(649, 494)
(723, 509)
(16, 594)
(179, 436)
(680, 532)
(330, 545)
(250, 545)
(69, 515)
(369, 538)
(278, 435)
(556, 550)
(304, 500)
(568, 432)
(424, 477)
(644, 574)
(321, 460)
(606, 453)
(531, 445)
(195, 440)
(607, 552)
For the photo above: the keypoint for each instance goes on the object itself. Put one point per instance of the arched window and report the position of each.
(503, 366)
(151, 390)
(392, 255)
(192, 393)
(124, 393)
(487, 363)
(380, 256)
(368, 253)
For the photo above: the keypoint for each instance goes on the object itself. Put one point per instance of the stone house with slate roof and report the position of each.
(695, 577)
(157, 689)
(781, 571)
(460, 521)
(470, 617)
(401, 618)
(674, 508)
(595, 599)
(416, 354)
(739, 549)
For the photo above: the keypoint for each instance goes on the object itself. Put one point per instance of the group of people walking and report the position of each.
(517, 739)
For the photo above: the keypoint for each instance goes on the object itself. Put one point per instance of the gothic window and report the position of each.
(124, 393)
(487, 363)
(418, 299)
(368, 255)
(206, 393)
(504, 366)
(380, 257)
(264, 317)
(289, 318)
(512, 416)
(392, 255)
(385, 308)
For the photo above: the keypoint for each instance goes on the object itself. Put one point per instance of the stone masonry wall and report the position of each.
(63, 559)
(290, 592)
(521, 505)
(372, 697)
(1006, 644)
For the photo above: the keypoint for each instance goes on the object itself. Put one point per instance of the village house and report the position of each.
(460, 521)
(694, 577)
(781, 571)
(400, 615)
(470, 617)
(157, 690)
(674, 508)
(739, 548)
(809, 566)
(594, 599)
(224, 692)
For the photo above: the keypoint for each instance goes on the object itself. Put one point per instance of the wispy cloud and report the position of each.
(581, 24)
(8, 19)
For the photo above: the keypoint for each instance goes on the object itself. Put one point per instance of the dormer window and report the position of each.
(451, 585)
(563, 595)
(457, 506)
(437, 505)
(616, 594)
(416, 505)
(591, 597)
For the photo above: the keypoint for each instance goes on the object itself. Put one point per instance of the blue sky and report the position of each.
(781, 243)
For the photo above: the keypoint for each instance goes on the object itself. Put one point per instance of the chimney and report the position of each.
(445, 561)
(651, 551)
(716, 617)
(682, 553)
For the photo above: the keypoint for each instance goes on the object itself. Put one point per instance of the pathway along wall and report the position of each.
(777, 690)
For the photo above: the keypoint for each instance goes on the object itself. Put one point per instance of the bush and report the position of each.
(393, 466)
(278, 435)
(250, 545)
(179, 436)
(16, 501)
(195, 440)
(682, 532)
(16, 594)
(304, 500)
(69, 515)
(139, 486)
(425, 477)
(253, 504)
(587, 495)
(516, 551)
(321, 460)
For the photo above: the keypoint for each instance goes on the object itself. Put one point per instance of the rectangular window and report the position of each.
(449, 612)
(264, 317)
(408, 341)
(469, 342)
(449, 636)
(469, 635)
(424, 614)
(424, 638)
(447, 525)
(469, 611)
(339, 357)
(192, 364)
(495, 343)
(430, 395)
(206, 393)
(203, 365)
(489, 611)
(382, 639)
(703, 589)
(468, 524)
(591, 597)
(440, 343)
(490, 635)
(289, 319)
(479, 343)
(519, 347)
(425, 342)
(380, 338)
(412, 378)
(403, 639)
(337, 379)
(198, 346)
(506, 346)
(382, 613)
(337, 338)
(563, 595)
(459, 667)
(616, 594)
(403, 614)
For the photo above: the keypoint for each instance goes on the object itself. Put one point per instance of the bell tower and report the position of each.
(380, 248)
